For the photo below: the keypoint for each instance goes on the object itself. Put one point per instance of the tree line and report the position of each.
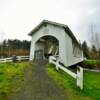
(14, 47)
(11, 47)
(92, 52)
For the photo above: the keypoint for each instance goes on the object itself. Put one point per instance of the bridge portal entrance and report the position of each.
(46, 46)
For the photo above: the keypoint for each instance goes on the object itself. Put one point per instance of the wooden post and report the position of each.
(57, 64)
(19, 58)
(80, 77)
(5, 60)
(50, 59)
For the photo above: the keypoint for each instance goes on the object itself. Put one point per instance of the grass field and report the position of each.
(91, 89)
(11, 78)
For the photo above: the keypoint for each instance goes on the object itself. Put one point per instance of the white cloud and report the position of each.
(18, 17)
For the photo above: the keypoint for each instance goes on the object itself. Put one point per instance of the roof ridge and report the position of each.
(67, 29)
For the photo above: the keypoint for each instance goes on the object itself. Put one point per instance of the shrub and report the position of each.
(91, 64)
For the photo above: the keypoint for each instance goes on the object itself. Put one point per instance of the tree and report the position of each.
(98, 53)
(94, 37)
(10, 47)
(94, 53)
(85, 50)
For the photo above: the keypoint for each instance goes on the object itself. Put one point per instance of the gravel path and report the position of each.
(39, 86)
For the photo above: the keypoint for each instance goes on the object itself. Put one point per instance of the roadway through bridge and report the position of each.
(39, 86)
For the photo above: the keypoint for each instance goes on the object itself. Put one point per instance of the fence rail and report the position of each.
(18, 58)
(78, 76)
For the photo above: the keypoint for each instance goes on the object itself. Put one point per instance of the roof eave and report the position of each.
(69, 32)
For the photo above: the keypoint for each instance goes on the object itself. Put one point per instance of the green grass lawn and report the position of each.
(11, 77)
(91, 89)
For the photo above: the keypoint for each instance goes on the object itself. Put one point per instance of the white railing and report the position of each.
(20, 58)
(78, 76)
(9, 59)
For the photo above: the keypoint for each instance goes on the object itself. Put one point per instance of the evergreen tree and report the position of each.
(85, 50)
(94, 53)
(10, 47)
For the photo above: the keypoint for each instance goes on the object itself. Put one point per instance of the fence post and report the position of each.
(57, 64)
(19, 58)
(50, 59)
(5, 60)
(80, 77)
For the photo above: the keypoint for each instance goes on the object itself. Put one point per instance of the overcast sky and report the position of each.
(19, 17)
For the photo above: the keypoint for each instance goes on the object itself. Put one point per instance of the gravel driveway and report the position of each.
(39, 86)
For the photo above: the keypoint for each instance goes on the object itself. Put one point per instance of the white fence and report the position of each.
(92, 70)
(78, 76)
(9, 59)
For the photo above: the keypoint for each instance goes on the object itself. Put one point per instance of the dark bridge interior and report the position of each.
(46, 46)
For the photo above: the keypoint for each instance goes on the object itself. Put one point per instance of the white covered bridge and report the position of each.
(51, 38)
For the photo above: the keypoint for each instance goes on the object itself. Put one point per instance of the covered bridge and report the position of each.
(51, 38)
